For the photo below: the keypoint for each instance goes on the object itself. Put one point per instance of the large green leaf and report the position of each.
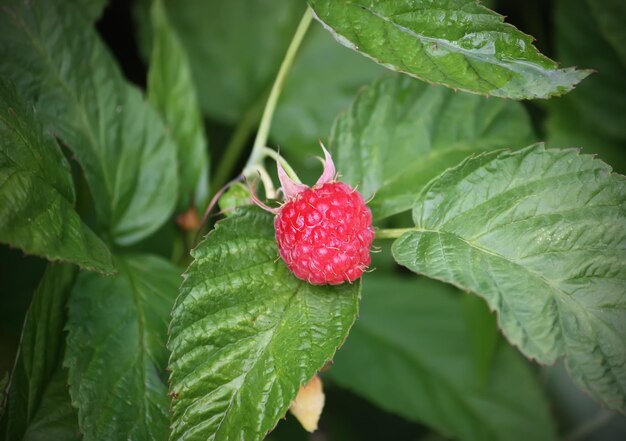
(37, 401)
(37, 193)
(172, 92)
(56, 59)
(541, 235)
(400, 133)
(246, 333)
(458, 43)
(411, 353)
(116, 351)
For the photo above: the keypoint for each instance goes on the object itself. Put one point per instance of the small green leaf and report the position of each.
(56, 59)
(410, 353)
(400, 133)
(116, 351)
(37, 193)
(238, 195)
(457, 43)
(37, 382)
(541, 235)
(246, 333)
(171, 91)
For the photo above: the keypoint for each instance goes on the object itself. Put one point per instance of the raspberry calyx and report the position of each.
(324, 233)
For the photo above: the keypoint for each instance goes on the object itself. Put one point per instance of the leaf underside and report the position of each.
(541, 235)
(457, 43)
(246, 333)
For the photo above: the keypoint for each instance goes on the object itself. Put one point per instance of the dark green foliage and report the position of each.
(143, 329)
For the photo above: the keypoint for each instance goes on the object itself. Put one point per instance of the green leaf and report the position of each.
(246, 333)
(92, 8)
(57, 60)
(37, 193)
(457, 43)
(171, 91)
(116, 351)
(541, 236)
(238, 195)
(37, 375)
(610, 15)
(400, 133)
(55, 419)
(410, 353)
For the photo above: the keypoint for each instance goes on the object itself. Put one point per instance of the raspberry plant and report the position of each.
(166, 304)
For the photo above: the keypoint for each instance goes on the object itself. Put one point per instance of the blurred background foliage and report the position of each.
(235, 48)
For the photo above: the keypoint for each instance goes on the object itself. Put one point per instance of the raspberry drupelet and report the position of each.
(324, 233)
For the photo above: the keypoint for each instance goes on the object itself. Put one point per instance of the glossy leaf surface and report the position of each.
(246, 333)
(457, 43)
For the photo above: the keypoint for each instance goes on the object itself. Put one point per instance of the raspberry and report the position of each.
(324, 233)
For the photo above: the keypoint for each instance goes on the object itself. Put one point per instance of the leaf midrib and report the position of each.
(563, 297)
(263, 352)
(143, 352)
(93, 142)
(451, 47)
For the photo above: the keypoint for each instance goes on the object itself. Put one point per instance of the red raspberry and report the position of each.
(324, 233)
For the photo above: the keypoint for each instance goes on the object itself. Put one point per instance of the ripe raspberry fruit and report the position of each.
(324, 233)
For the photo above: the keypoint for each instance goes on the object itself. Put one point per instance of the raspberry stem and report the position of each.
(393, 233)
(257, 154)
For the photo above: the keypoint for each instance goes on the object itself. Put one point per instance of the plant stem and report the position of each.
(257, 154)
(290, 171)
(393, 233)
(236, 144)
(270, 192)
